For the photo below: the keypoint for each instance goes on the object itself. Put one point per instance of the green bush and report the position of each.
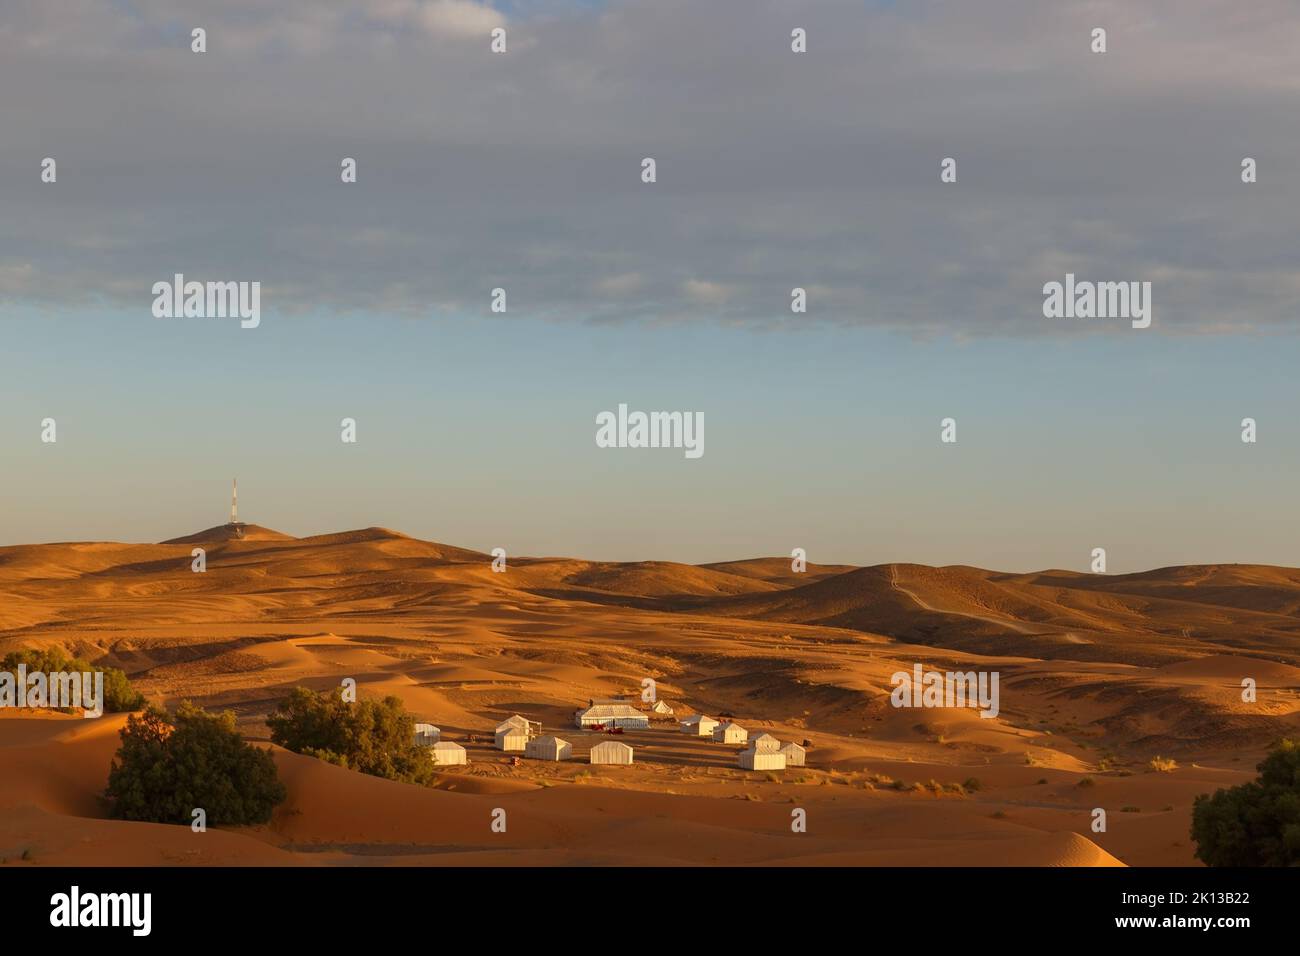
(1255, 824)
(170, 764)
(374, 737)
(119, 695)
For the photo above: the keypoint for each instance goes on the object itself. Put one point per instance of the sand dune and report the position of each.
(1098, 675)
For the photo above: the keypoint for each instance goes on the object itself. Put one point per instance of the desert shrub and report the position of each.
(170, 764)
(1130, 809)
(1163, 764)
(972, 784)
(119, 695)
(371, 736)
(1086, 782)
(1257, 823)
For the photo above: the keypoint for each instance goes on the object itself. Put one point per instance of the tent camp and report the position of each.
(764, 743)
(611, 751)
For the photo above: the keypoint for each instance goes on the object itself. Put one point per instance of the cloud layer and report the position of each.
(775, 169)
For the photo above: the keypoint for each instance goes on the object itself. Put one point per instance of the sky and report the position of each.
(775, 170)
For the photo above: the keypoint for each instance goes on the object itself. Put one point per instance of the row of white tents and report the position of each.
(517, 734)
(764, 752)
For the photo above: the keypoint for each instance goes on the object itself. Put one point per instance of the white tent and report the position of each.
(445, 753)
(612, 715)
(514, 721)
(764, 743)
(761, 760)
(513, 733)
(661, 707)
(699, 725)
(549, 747)
(611, 751)
(511, 738)
(426, 735)
(794, 754)
(730, 733)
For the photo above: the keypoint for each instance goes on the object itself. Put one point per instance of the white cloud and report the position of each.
(459, 18)
(705, 292)
(620, 285)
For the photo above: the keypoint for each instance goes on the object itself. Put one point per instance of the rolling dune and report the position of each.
(1098, 674)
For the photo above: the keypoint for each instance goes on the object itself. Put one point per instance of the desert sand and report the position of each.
(1099, 673)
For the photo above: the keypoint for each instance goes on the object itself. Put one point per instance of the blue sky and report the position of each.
(818, 170)
(480, 432)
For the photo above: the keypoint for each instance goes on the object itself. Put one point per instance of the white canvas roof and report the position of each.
(611, 712)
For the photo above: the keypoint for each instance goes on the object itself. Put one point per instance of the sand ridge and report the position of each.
(1098, 675)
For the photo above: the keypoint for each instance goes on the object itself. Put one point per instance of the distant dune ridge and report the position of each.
(1099, 673)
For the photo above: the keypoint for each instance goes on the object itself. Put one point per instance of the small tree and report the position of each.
(119, 695)
(1255, 824)
(374, 737)
(168, 765)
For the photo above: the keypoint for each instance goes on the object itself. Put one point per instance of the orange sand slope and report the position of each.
(1098, 674)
